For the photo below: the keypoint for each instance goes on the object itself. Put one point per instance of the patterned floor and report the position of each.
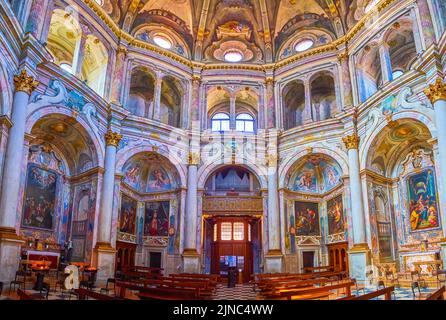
(240, 292)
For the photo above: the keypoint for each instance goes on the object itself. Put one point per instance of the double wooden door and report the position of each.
(232, 245)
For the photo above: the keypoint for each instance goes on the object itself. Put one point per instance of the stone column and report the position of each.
(386, 65)
(307, 115)
(346, 82)
(270, 103)
(359, 253)
(195, 101)
(157, 96)
(273, 258)
(232, 111)
(437, 96)
(261, 108)
(191, 258)
(105, 252)
(118, 75)
(79, 55)
(10, 242)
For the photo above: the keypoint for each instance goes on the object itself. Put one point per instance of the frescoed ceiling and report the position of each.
(254, 31)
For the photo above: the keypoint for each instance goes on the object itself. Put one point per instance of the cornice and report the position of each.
(122, 35)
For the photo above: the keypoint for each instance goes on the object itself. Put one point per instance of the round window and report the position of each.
(162, 42)
(304, 45)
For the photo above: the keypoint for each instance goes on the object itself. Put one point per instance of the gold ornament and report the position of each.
(112, 138)
(351, 141)
(25, 83)
(436, 91)
(194, 158)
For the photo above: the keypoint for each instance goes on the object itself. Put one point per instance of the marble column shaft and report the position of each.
(191, 209)
(157, 97)
(386, 65)
(346, 80)
(118, 75)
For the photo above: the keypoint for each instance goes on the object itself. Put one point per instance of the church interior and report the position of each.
(222, 149)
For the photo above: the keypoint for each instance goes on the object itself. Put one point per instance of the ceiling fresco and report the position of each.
(251, 31)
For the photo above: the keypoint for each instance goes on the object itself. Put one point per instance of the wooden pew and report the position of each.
(23, 295)
(318, 269)
(387, 292)
(155, 292)
(203, 287)
(437, 295)
(84, 293)
(314, 292)
(275, 287)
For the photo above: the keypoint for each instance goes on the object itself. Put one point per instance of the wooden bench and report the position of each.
(318, 269)
(387, 292)
(23, 295)
(437, 295)
(83, 294)
(313, 292)
(158, 292)
(203, 287)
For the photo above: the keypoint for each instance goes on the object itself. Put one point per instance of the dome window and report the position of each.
(303, 45)
(162, 42)
(233, 56)
(67, 67)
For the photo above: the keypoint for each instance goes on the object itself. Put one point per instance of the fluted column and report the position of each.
(118, 75)
(437, 95)
(346, 80)
(358, 253)
(104, 248)
(157, 96)
(190, 254)
(9, 241)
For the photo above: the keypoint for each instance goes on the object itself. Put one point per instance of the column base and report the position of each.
(105, 256)
(10, 252)
(359, 259)
(191, 261)
(273, 262)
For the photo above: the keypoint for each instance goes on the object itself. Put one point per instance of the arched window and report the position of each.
(397, 73)
(220, 122)
(244, 122)
(67, 67)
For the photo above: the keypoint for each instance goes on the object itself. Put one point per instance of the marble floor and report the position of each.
(240, 292)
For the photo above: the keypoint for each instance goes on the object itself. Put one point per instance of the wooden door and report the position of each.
(337, 253)
(125, 255)
(308, 259)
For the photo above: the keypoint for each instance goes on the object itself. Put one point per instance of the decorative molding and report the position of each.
(223, 204)
(24, 82)
(194, 158)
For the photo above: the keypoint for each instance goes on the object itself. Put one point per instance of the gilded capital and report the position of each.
(194, 158)
(351, 141)
(343, 56)
(24, 82)
(436, 91)
(112, 138)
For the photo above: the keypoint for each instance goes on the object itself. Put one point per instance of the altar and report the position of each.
(52, 258)
(423, 261)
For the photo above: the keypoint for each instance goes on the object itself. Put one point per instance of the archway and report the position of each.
(232, 206)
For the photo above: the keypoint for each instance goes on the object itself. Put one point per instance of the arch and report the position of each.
(58, 110)
(323, 95)
(205, 171)
(126, 154)
(288, 163)
(5, 90)
(172, 98)
(95, 64)
(141, 93)
(378, 130)
(293, 104)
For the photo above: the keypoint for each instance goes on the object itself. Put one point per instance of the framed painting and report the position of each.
(40, 198)
(127, 217)
(422, 197)
(306, 218)
(335, 213)
(156, 219)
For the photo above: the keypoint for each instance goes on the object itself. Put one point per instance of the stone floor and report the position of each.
(240, 292)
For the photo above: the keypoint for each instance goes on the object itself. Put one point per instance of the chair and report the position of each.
(107, 289)
(416, 285)
(416, 277)
(381, 285)
(390, 277)
(18, 282)
(358, 287)
(441, 277)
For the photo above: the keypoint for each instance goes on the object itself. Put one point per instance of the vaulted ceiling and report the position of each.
(261, 30)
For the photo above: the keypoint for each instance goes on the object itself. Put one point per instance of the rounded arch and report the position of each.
(141, 91)
(126, 154)
(287, 166)
(5, 90)
(293, 103)
(57, 111)
(205, 171)
(369, 140)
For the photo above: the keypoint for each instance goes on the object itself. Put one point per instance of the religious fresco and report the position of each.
(317, 174)
(156, 219)
(422, 197)
(148, 173)
(335, 214)
(127, 218)
(307, 218)
(40, 198)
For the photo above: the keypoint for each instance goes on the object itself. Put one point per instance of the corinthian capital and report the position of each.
(24, 82)
(351, 141)
(112, 138)
(436, 91)
(194, 158)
